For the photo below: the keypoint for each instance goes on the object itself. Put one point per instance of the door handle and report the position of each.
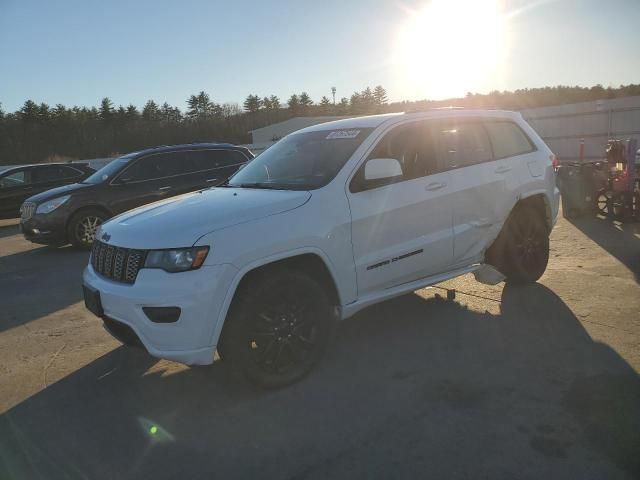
(162, 189)
(435, 186)
(503, 169)
(209, 180)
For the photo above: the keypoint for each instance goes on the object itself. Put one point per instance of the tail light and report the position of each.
(554, 161)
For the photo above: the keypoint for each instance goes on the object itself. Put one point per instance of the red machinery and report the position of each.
(620, 199)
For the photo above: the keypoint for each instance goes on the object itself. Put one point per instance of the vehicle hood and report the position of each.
(58, 192)
(180, 221)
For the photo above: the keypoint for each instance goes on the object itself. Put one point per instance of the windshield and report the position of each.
(110, 170)
(301, 161)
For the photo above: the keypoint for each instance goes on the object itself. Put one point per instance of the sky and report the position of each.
(76, 52)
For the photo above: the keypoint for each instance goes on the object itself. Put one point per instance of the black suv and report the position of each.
(71, 214)
(19, 182)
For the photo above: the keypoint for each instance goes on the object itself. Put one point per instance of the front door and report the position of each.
(151, 178)
(401, 229)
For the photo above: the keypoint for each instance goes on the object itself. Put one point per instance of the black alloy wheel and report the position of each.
(278, 327)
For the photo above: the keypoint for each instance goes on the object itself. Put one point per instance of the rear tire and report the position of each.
(83, 226)
(278, 327)
(521, 251)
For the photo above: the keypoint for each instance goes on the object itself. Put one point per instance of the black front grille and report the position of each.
(117, 263)
(27, 210)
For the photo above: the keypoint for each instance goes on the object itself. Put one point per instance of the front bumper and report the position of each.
(200, 295)
(49, 229)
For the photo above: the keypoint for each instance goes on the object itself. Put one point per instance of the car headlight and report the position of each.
(177, 260)
(51, 205)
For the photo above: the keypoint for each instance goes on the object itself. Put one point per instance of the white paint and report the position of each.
(445, 221)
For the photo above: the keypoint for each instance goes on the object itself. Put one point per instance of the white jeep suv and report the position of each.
(327, 221)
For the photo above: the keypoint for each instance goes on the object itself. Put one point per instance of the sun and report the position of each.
(451, 47)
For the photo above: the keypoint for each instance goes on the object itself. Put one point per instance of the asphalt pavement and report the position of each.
(501, 382)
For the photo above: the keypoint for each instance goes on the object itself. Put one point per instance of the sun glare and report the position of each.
(451, 47)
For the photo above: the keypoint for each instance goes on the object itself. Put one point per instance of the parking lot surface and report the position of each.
(502, 382)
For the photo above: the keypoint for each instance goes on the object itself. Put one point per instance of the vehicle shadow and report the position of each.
(411, 388)
(23, 274)
(6, 230)
(622, 241)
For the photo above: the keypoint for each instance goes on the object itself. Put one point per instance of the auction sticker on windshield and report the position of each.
(343, 134)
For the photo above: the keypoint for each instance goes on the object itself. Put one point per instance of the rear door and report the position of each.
(401, 228)
(477, 183)
(516, 157)
(15, 187)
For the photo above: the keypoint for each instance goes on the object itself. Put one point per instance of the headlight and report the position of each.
(51, 205)
(177, 260)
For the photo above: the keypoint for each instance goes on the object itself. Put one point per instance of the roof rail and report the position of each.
(418, 110)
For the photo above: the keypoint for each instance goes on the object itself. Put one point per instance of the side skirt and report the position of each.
(386, 294)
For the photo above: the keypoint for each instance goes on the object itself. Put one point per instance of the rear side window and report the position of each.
(508, 139)
(16, 179)
(462, 143)
(51, 173)
(211, 159)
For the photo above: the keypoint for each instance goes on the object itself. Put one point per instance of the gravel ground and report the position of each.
(535, 382)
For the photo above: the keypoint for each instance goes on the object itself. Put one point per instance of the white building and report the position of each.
(263, 138)
(563, 127)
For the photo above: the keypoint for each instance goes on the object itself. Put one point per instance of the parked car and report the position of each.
(71, 214)
(329, 220)
(19, 182)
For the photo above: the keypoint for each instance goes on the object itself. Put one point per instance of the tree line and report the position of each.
(38, 132)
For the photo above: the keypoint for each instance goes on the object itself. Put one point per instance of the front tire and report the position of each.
(278, 327)
(82, 228)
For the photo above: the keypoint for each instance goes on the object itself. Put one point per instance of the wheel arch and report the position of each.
(311, 260)
(87, 207)
(539, 202)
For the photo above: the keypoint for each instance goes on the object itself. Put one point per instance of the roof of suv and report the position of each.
(373, 121)
(5, 168)
(188, 146)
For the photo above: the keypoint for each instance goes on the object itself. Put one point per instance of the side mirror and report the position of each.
(382, 168)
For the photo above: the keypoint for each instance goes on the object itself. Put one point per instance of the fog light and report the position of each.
(162, 314)
(36, 231)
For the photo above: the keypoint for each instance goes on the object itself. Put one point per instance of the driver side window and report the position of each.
(412, 146)
(152, 167)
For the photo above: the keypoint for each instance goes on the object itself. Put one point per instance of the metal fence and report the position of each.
(564, 127)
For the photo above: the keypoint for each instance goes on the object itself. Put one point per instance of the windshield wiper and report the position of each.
(268, 186)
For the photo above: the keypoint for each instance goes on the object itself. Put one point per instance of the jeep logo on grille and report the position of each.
(106, 237)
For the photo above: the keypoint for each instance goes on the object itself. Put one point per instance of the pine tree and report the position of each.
(132, 112)
(150, 111)
(305, 100)
(106, 110)
(294, 103)
(252, 103)
(380, 95)
(325, 104)
(29, 111)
